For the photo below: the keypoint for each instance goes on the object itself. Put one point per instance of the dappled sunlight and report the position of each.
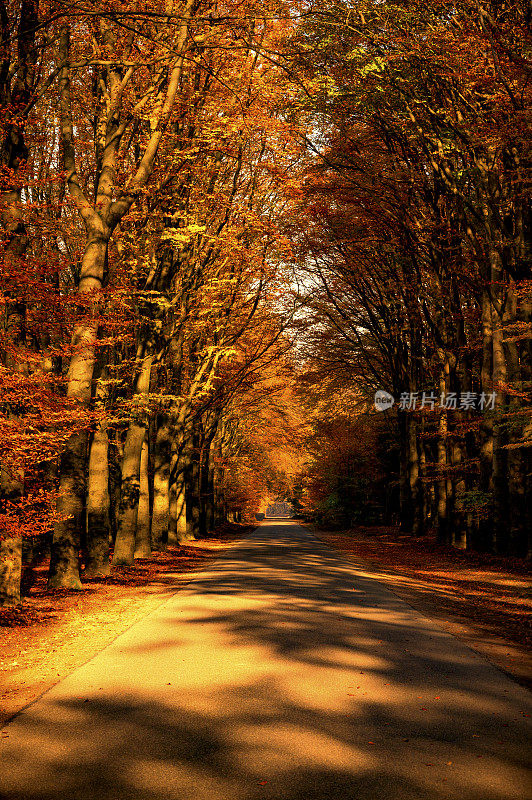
(303, 680)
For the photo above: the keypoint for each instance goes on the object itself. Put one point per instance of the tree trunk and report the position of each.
(116, 454)
(172, 511)
(17, 84)
(124, 553)
(10, 488)
(64, 562)
(10, 571)
(143, 534)
(485, 522)
(203, 480)
(459, 530)
(442, 481)
(161, 485)
(64, 557)
(219, 503)
(427, 497)
(130, 484)
(192, 490)
(177, 528)
(209, 497)
(406, 512)
(174, 488)
(416, 488)
(181, 512)
(98, 506)
(499, 462)
(516, 462)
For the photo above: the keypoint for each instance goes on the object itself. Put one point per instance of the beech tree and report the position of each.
(29, 408)
(222, 226)
(154, 236)
(423, 217)
(122, 100)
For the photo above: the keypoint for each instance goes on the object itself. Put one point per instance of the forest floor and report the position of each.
(53, 632)
(482, 599)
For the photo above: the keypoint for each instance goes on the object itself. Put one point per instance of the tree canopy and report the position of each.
(223, 228)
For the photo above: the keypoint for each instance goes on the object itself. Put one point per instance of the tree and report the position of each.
(420, 199)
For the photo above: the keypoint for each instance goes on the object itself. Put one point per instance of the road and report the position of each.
(283, 672)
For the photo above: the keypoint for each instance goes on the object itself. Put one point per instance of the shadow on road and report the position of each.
(279, 674)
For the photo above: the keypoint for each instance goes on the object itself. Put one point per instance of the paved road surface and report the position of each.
(281, 673)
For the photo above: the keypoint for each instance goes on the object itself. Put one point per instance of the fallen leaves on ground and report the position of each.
(491, 596)
(52, 632)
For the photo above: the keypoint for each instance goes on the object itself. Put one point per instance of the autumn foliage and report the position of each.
(223, 228)
(415, 235)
